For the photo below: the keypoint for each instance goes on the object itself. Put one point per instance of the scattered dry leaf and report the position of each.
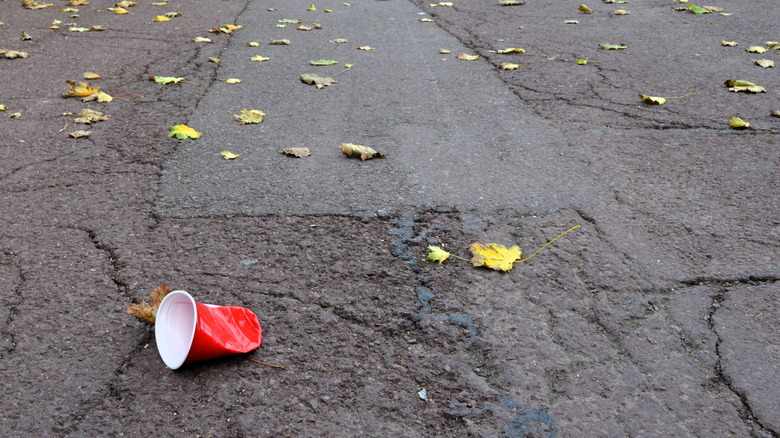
(756, 49)
(365, 48)
(743, 85)
(585, 9)
(183, 131)
(233, 81)
(99, 96)
(510, 50)
(11, 54)
(765, 63)
(32, 4)
(80, 133)
(144, 310)
(338, 40)
(253, 44)
(319, 81)
(737, 123)
(161, 18)
(25, 36)
(358, 150)
(508, 66)
(653, 100)
(297, 152)
(119, 11)
(201, 40)
(729, 43)
(87, 116)
(437, 254)
(249, 116)
(80, 90)
(621, 12)
(90, 75)
(280, 43)
(213, 59)
(304, 28)
(229, 155)
(775, 113)
(226, 29)
(426, 20)
(258, 58)
(466, 57)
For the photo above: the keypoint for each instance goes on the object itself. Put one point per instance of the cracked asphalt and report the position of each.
(659, 317)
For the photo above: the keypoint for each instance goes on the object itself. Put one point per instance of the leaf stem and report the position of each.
(266, 364)
(548, 244)
(680, 97)
(128, 92)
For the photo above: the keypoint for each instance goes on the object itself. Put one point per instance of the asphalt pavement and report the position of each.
(658, 317)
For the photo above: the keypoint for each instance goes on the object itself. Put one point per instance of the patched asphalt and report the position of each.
(657, 318)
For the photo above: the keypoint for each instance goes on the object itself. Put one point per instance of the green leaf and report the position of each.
(737, 123)
(437, 254)
(620, 46)
(183, 131)
(229, 155)
(165, 79)
(324, 62)
(698, 10)
(348, 65)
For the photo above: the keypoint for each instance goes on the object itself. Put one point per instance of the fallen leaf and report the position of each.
(249, 116)
(99, 96)
(729, 43)
(233, 81)
(713, 8)
(161, 18)
(765, 63)
(290, 21)
(585, 9)
(311, 8)
(327, 11)
(510, 50)
(78, 29)
(183, 131)
(494, 256)
(508, 66)
(511, 3)
(119, 11)
(316, 25)
(466, 57)
(80, 3)
(97, 28)
(571, 22)
(80, 133)
(621, 12)
(258, 58)
(32, 4)
(297, 152)
(698, 10)
(3, 107)
(775, 113)
(253, 44)
(322, 62)
(743, 85)
(304, 28)
(359, 150)
(445, 51)
(214, 60)
(90, 75)
(201, 40)
(172, 14)
(426, 20)
(80, 90)
(737, 123)
(11, 54)
(319, 81)
(437, 254)
(581, 61)
(146, 311)
(433, 5)
(229, 155)
(338, 40)
(15, 115)
(348, 65)
(755, 49)
(618, 1)
(88, 116)
(653, 100)
(365, 48)
(280, 43)
(25, 36)
(165, 79)
(122, 4)
(620, 46)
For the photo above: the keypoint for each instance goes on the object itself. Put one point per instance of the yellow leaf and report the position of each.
(80, 90)
(80, 133)
(144, 310)
(229, 155)
(445, 51)
(729, 43)
(494, 256)
(365, 48)
(280, 43)
(15, 115)
(233, 81)
(213, 59)
(304, 28)
(426, 20)
(297, 152)
(510, 50)
(466, 57)
(90, 75)
(318, 81)
(11, 54)
(161, 18)
(87, 116)
(253, 44)
(737, 123)
(621, 12)
(437, 254)
(119, 11)
(258, 58)
(585, 9)
(359, 150)
(653, 100)
(756, 49)
(765, 63)
(508, 66)
(124, 4)
(311, 8)
(32, 4)
(201, 40)
(249, 116)
(183, 131)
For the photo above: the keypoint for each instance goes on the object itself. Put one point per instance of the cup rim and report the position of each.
(174, 329)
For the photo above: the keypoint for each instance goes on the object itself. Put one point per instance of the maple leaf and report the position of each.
(494, 256)
(88, 116)
(80, 90)
(183, 131)
(359, 150)
(297, 152)
(146, 311)
(437, 254)
(319, 81)
(249, 116)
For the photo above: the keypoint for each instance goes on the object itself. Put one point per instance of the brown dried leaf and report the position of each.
(297, 152)
(88, 116)
(359, 150)
(144, 310)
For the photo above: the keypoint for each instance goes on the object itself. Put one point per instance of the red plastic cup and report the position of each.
(188, 331)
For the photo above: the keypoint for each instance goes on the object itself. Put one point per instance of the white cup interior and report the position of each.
(175, 327)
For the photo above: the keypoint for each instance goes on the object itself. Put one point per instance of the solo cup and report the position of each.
(188, 331)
